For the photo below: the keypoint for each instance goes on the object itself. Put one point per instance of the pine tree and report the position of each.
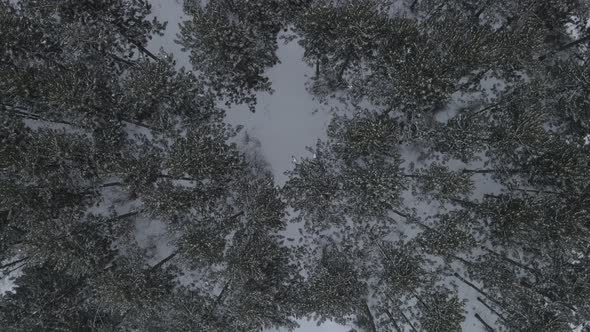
(104, 140)
(232, 42)
(339, 38)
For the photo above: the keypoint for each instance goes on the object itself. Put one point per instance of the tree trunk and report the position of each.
(121, 60)
(462, 260)
(464, 202)
(547, 297)
(14, 262)
(492, 310)
(483, 110)
(401, 214)
(111, 184)
(477, 289)
(383, 253)
(32, 116)
(221, 295)
(486, 325)
(124, 215)
(538, 191)
(235, 216)
(565, 47)
(317, 68)
(165, 260)
(370, 317)
(120, 217)
(177, 251)
(407, 320)
(420, 300)
(55, 300)
(392, 319)
(401, 313)
(480, 171)
(414, 176)
(166, 176)
(490, 171)
(346, 63)
(139, 124)
(134, 42)
(513, 262)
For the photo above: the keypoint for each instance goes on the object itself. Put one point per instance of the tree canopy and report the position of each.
(452, 187)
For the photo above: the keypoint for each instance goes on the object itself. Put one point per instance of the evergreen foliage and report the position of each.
(461, 162)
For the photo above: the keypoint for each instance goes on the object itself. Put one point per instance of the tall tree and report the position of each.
(104, 140)
(232, 43)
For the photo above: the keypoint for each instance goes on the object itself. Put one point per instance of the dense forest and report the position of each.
(461, 163)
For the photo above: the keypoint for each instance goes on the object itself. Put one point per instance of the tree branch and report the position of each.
(392, 319)
(565, 47)
(14, 262)
(165, 260)
(370, 317)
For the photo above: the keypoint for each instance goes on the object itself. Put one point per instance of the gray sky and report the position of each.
(284, 121)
